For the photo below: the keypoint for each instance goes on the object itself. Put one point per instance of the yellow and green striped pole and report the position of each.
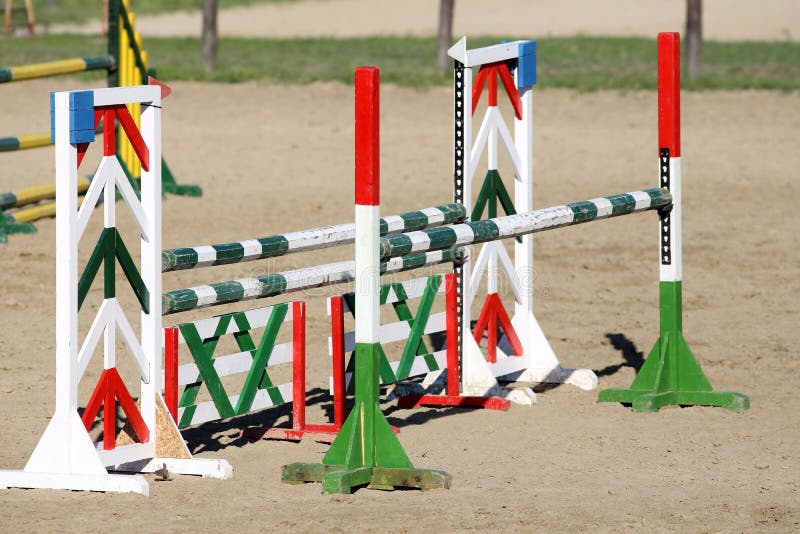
(23, 142)
(56, 68)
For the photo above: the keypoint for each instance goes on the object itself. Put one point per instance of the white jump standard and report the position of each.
(66, 457)
(534, 359)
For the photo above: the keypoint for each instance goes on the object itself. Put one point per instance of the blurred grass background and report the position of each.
(76, 11)
(582, 63)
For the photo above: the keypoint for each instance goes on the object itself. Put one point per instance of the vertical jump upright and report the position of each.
(532, 358)
(671, 375)
(366, 451)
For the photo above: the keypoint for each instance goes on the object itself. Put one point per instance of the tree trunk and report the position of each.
(445, 33)
(209, 35)
(694, 37)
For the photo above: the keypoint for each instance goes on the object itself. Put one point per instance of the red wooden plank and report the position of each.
(669, 93)
(451, 304)
(337, 341)
(511, 89)
(492, 87)
(109, 413)
(477, 86)
(82, 148)
(298, 365)
(109, 132)
(171, 371)
(505, 324)
(488, 403)
(95, 401)
(128, 405)
(134, 135)
(367, 136)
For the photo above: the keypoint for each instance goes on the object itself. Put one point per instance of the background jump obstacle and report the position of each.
(510, 67)
(66, 457)
(126, 64)
(671, 375)
(366, 451)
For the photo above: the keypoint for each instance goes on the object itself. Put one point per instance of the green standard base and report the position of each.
(170, 186)
(651, 401)
(7, 228)
(366, 451)
(671, 375)
(338, 479)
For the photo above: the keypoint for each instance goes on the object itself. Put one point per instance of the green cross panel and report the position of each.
(202, 351)
(415, 344)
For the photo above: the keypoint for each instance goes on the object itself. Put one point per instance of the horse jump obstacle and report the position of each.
(376, 457)
(126, 64)
(258, 390)
(85, 465)
(365, 452)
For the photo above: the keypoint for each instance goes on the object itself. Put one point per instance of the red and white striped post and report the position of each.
(366, 451)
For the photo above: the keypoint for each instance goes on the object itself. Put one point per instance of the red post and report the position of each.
(337, 342)
(109, 131)
(171, 371)
(491, 342)
(367, 135)
(109, 417)
(492, 87)
(451, 304)
(298, 365)
(669, 93)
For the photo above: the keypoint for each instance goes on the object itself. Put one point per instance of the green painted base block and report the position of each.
(194, 191)
(170, 186)
(7, 228)
(671, 375)
(337, 479)
(652, 401)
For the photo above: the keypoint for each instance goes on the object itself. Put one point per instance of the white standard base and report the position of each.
(206, 468)
(542, 364)
(478, 378)
(74, 482)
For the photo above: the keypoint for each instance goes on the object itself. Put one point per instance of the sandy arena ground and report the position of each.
(564, 464)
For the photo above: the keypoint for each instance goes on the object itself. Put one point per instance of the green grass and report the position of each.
(583, 63)
(75, 11)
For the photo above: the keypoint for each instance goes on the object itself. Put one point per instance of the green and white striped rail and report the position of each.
(523, 223)
(317, 238)
(271, 285)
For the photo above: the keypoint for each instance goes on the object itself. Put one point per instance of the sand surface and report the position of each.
(274, 159)
(726, 20)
